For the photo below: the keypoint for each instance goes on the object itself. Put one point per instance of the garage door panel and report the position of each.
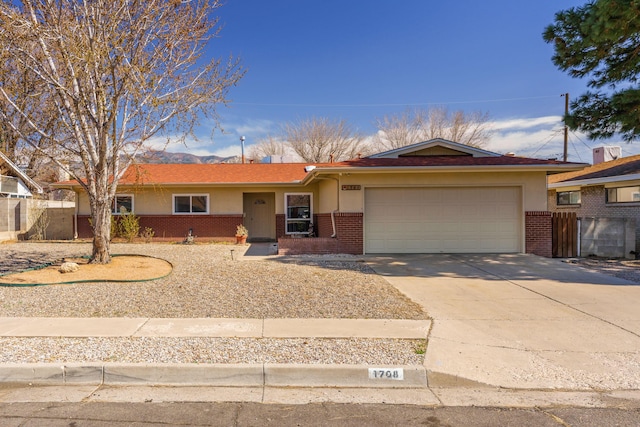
(414, 220)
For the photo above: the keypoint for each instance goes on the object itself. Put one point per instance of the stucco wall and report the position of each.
(533, 185)
(222, 201)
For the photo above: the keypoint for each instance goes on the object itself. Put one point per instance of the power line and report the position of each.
(553, 134)
(390, 104)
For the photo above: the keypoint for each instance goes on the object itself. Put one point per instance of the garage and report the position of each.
(443, 220)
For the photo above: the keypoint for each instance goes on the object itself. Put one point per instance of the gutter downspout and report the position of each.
(333, 213)
(75, 217)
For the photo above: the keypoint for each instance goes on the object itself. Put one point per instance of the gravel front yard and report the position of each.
(207, 282)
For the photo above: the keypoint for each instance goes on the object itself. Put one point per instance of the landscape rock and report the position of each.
(69, 267)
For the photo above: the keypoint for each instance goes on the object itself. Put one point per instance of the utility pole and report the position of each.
(566, 128)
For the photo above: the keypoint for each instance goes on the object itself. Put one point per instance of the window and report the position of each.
(623, 194)
(122, 202)
(568, 197)
(299, 213)
(190, 203)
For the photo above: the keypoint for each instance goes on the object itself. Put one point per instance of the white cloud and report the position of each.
(543, 137)
(538, 137)
(526, 123)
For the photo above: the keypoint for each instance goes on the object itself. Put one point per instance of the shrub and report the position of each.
(128, 225)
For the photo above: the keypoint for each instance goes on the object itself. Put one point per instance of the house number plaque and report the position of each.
(386, 374)
(350, 187)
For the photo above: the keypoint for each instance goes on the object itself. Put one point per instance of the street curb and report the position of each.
(222, 375)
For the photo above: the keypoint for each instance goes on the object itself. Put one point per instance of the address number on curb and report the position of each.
(386, 374)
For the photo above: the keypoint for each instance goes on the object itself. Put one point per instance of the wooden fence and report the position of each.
(564, 228)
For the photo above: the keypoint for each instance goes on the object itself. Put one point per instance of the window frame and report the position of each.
(190, 195)
(616, 202)
(558, 193)
(114, 203)
(288, 220)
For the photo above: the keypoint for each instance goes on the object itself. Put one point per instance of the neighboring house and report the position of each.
(14, 183)
(606, 198)
(436, 196)
(15, 190)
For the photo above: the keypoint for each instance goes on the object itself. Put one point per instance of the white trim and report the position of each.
(286, 212)
(568, 191)
(173, 203)
(133, 206)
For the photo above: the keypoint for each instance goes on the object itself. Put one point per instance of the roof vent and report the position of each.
(308, 169)
(510, 154)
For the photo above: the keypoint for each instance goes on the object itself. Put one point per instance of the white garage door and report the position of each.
(447, 220)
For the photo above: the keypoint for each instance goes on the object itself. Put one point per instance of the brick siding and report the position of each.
(177, 226)
(348, 240)
(538, 233)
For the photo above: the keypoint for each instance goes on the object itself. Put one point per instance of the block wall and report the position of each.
(593, 205)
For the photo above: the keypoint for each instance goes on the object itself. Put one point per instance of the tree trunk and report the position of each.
(101, 220)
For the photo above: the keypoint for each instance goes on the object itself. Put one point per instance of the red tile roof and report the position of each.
(289, 173)
(222, 173)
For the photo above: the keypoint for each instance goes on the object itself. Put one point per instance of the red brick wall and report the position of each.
(538, 233)
(348, 240)
(177, 226)
(280, 229)
(323, 225)
(350, 232)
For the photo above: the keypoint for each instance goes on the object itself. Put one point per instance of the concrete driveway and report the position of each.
(522, 321)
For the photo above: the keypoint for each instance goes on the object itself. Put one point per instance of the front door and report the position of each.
(260, 216)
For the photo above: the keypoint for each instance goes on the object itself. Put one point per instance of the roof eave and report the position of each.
(467, 168)
(595, 181)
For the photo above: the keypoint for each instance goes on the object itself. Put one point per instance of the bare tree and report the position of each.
(118, 72)
(268, 146)
(30, 97)
(320, 140)
(410, 127)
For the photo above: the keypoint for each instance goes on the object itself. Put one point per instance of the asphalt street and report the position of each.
(322, 414)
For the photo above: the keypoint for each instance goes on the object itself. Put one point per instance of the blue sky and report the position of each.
(359, 60)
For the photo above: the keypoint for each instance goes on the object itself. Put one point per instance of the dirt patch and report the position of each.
(124, 268)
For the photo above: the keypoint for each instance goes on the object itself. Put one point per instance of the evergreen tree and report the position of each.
(601, 41)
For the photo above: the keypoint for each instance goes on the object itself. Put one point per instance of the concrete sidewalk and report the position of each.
(209, 327)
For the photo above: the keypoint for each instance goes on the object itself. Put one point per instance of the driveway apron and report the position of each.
(521, 321)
